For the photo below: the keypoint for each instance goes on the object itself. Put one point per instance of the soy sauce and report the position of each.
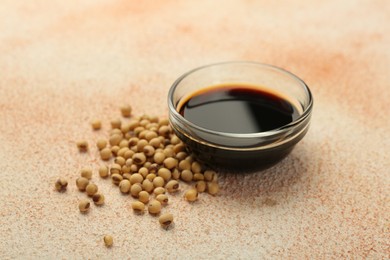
(238, 109)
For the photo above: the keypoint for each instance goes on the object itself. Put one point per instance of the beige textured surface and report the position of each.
(64, 63)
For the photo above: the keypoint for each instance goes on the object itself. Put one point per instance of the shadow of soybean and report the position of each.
(282, 181)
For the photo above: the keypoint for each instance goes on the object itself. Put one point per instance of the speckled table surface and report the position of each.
(63, 63)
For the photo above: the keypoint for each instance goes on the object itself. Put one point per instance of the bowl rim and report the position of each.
(276, 131)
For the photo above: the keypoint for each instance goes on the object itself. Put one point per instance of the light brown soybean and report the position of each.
(155, 142)
(116, 178)
(142, 134)
(164, 130)
(116, 131)
(165, 220)
(82, 183)
(126, 176)
(133, 124)
(122, 151)
(115, 149)
(180, 147)
(200, 186)
(163, 121)
(139, 158)
(168, 152)
(123, 144)
(105, 154)
(108, 240)
(115, 139)
(98, 199)
(135, 189)
(159, 157)
(124, 186)
(141, 144)
(170, 162)
(159, 190)
(148, 150)
(126, 110)
(176, 174)
(152, 127)
(147, 164)
(154, 207)
(128, 154)
(126, 169)
(190, 158)
(91, 189)
(198, 177)
(144, 122)
(133, 168)
(154, 119)
(129, 162)
(147, 186)
(136, 178)
(209, 175)
(184, 165)
(133, 141)
(86, 173)
(150, 135)
(150, 176)
(162, 198)
(172, 186)
(212, 188)
(120, 160)
(196, 167)
(101, 144)
(96, 124)
(115, 168)
(186, 175)
(143, 196)
(138, 206)
(158, 181)
(84, 205)
(164, 173)
(116, 123)
(143, 171)
(61, 184)
(191, 195)
(175, 140)
(153, 168)
(125, 128)
(82, 145)
(103, 171)
(128, 135)
(181, 156)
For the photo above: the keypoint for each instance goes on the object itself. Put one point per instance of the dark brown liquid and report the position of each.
(238, 109)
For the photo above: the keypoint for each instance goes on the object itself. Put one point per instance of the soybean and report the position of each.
(154, 207)
(82, 183)
(86, 173)
(61, 184)
(91, 189)
(98, 199)
(103, 171)
(108, 240)
(191, 195)
(172, 186)
(143, 196)
(138, 206)
(84, 205)
(82, 145)
(162, 198)
(165, 219)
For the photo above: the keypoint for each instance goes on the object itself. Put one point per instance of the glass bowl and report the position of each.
(240, 151)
